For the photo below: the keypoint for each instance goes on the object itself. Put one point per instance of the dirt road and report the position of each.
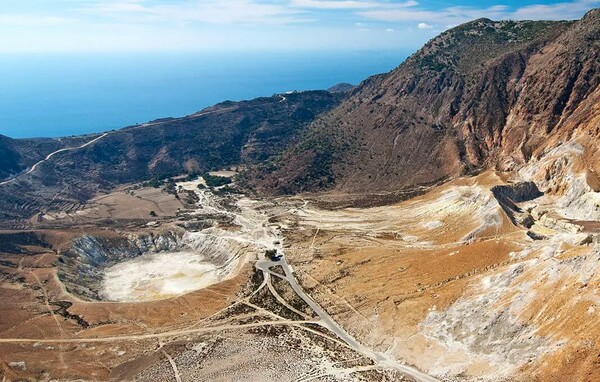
(32, 169)
(380, 358)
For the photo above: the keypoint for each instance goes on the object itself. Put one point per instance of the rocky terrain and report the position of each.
(16, 155)
(451, 282)
(227, 134)
(440, 222)
(486, 94)
(125, 303)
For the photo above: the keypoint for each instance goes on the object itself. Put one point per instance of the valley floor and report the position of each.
(481, 278)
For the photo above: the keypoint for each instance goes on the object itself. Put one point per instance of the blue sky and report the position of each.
(233, 25)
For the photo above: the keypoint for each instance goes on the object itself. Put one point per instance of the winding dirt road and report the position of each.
(325, 320)
(32, 169)
(147, 124)
(266, 235)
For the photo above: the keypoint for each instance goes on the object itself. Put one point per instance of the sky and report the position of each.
(43, 26)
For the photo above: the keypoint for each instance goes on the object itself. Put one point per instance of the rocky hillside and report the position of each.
(342, 87)
(230, 133)
(9, 158)
(486, 93)
(16, 155)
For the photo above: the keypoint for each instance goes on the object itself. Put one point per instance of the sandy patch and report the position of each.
(155, 276)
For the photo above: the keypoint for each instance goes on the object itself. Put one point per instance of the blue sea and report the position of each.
(54, 95)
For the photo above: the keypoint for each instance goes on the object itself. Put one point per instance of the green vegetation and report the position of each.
(215, 181)
(191, 176)
(271, 254)
(171, 187)
(156, 183)
(469, 46)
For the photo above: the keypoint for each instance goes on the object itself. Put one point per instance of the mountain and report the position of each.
(483, 94)
(16, 155)
(491, 275)
(342, 87)
(9, 158)
(230, 133)
(486, 94)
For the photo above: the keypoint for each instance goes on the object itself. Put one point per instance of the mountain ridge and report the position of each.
(453, 108)
(226, 134)
(477, 96)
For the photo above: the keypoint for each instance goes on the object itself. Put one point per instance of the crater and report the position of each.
(146, 267)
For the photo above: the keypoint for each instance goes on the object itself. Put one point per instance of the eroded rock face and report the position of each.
(144, 267)
(562, 174)
(484, 94)
(519, 192)
(81, 267)
(508, 195)
(477, 329)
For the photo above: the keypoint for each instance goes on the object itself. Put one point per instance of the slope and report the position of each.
(484, 94)
(227, 134)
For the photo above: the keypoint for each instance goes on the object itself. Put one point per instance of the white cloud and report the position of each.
(334, 4)
(21, 20)
(348, 4)
(453, 15)
(98, 25)
(459, 14)
(203, 11)
(115, 7)
(559, 11)
(498, 8)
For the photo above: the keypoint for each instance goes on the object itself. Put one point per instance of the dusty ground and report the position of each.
(211, 334)
(124, 204)
(47, 333)
(468, 281)
(446, 282)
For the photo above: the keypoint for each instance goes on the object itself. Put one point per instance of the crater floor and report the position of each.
(155, 276)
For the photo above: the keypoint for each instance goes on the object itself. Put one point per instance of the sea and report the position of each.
(54, 95)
